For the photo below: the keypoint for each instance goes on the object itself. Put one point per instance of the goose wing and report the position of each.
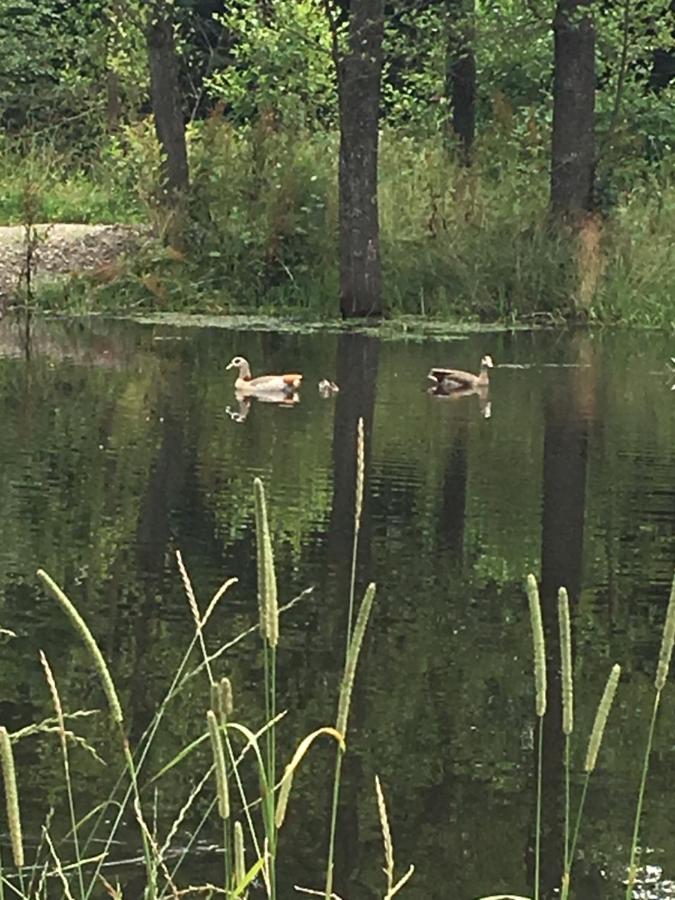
(287, 382)
(452, 376)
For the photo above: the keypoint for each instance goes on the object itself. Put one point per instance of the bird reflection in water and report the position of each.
(483, 394)
(245, 401)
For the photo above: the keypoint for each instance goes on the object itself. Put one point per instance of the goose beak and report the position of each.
(229, 366)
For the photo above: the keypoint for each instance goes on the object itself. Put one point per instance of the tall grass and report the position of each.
(455, 242)
(250, 823)
(595, 738)
(539, 655)
(662, 669)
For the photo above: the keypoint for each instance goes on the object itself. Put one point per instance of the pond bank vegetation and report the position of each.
(474, 245)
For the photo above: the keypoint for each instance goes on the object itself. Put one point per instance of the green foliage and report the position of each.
(280, 64)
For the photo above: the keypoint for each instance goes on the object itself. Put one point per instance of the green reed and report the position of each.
(11, 798)
(594, 744)
(219, 729)
(539, 652)
(567, 703)
(114, 706)
(662, 668)
(268, 610)
(351, 652)
(58, 709)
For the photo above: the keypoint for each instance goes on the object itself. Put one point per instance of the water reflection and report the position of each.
(117, 448)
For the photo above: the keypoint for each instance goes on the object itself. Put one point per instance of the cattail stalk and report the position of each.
(662, 668)
(11, 797)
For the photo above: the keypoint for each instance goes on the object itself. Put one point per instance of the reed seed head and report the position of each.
(221, 699)
(349, 675)
(268, 604)
(360, 473)
(219, 765)
(189, 591)
(239, 855)
(56, 700)
(667, 640)
(386, 834)
(601, 715)
(566, 661)
(539, 647)
(11, 797)
(89, 641)
(227, 696)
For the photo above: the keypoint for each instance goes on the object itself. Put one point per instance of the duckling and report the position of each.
(287, 383)
(328, 388)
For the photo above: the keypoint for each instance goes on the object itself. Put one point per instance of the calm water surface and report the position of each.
(117, 447)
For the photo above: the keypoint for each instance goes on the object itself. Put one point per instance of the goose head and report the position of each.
(486, 362)
(239, 362)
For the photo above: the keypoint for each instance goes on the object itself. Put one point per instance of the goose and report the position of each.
(457, 380)
(268, 385)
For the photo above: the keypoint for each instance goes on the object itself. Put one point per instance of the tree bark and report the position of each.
(461, 76)
(166, 100)
(573, 148)
(359, 71)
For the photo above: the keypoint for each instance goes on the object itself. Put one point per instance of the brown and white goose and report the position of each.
(285, 384)
(458, 380)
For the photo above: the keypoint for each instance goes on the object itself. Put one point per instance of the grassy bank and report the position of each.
(262, 233)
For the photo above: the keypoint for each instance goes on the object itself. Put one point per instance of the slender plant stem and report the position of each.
(151, 887)
(537, 837)
(632, 867)
(333, 826)
(575, 837)
(271, 776)
(352, 590)
(567, 803)
(226, 857)
(358, 508)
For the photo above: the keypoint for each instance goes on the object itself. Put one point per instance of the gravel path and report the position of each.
(63, 249)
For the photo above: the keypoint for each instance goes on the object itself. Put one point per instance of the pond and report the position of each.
(122, 442)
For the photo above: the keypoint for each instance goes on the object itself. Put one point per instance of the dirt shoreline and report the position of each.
(63, 249)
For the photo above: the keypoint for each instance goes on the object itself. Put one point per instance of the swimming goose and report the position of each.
(263, 384)
(457, 380)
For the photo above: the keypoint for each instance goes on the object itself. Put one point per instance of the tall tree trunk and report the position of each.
(167, 106)
(359, 71)
(573, 149)
(460, 86)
